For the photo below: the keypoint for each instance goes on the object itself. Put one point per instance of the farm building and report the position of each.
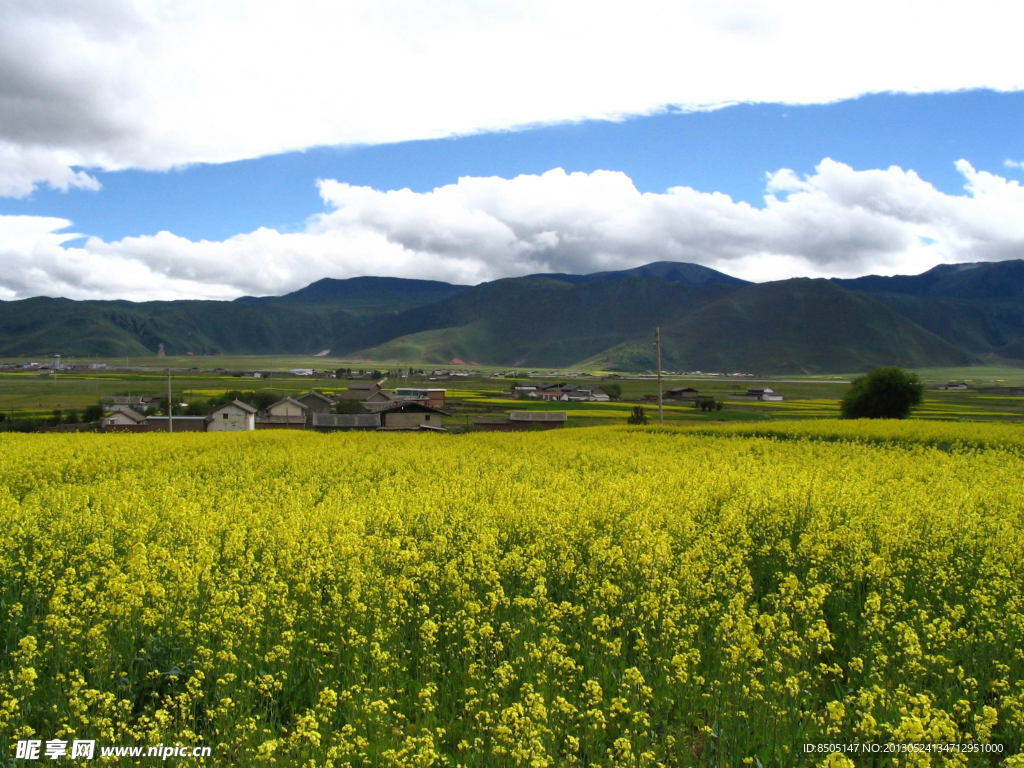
(520, 421)
(235, 416)
(379, 400)
(315, 402)
(358, 390)
(412, 416)
(763, 393)
(124, 419)
(286, 413)
(680, 393)
(434, 397)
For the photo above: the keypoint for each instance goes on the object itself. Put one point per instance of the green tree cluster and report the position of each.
(614, 391)
(884, 393)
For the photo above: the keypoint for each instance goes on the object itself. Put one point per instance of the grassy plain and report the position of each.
(711, 595)
(32, 394)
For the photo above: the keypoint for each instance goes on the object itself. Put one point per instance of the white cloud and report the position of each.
(837, 221)
(151, 84)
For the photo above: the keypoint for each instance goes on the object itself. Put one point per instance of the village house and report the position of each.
(548, 394)
(570, 393)
(412, 416)
(315, 402)
(680, 393)
(583, 395)
(358, 390)
(286, 413)
(763, 393)
(123, 418)
(379, 400)
(235, 416)
(516, 421)
(432, 396)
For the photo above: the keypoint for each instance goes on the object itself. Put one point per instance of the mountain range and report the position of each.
(951, 315)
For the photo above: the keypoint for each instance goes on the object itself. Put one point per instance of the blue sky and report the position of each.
(198, 151)
(728, 150)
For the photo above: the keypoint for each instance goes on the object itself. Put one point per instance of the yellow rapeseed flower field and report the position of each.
(604, 597)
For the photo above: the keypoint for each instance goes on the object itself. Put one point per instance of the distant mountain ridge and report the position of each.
(365, 294)
(669, 271)
(978, 306)
(949, 315)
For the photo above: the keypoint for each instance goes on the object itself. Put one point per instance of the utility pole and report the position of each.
(657, 343)
(170, 404)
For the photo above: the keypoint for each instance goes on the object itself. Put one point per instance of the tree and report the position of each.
(197, 407)
(348, 406)
(93, 413)
(884, 393)
(638, 415)
(614, 391)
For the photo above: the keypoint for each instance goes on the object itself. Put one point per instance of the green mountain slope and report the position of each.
(537, 321)
(978, 306)
(790, 326)
(114, 328)
(944, 317)
(976, 280)
(793, 325)
(365, 295)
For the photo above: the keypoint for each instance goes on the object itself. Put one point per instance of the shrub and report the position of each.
(638, 415)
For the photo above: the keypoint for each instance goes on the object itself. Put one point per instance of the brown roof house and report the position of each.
(315, 402)
(680, 393)
(124, 419)
(412, 416)
(380, 400)
(358, 390)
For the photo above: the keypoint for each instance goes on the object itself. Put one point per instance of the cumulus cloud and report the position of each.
(836, 221)
(149, 84)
